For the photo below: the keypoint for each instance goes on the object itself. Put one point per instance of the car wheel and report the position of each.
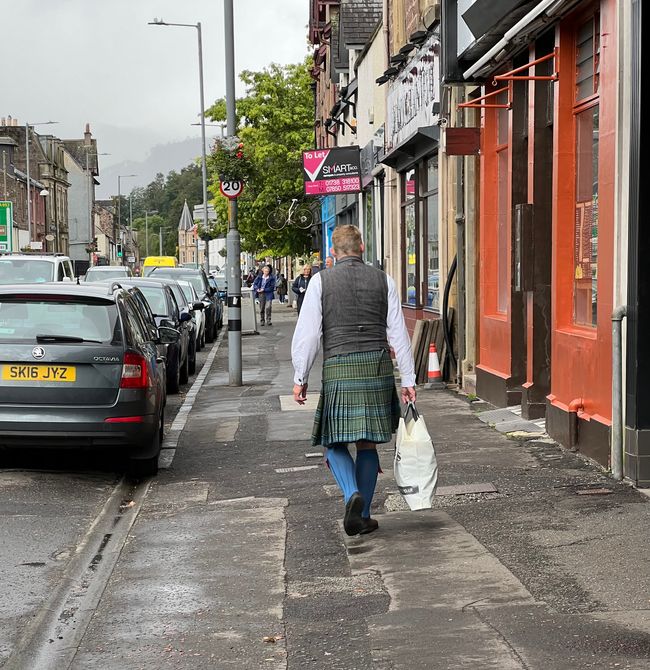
(209, 335)
(203, 338)
(161, 430)
(174, 378)
(184, 371)
(191, 366)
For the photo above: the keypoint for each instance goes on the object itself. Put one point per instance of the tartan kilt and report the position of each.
(358, 400)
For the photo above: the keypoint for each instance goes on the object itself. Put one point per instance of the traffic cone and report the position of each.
(434, 376)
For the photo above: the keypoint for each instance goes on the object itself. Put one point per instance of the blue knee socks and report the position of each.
(367, 468)
(342, 467)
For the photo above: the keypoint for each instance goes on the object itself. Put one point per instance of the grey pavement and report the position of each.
(238, 559)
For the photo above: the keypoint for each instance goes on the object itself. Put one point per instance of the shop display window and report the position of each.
(433, 260)
(410, 227)
(586, 115)
(503, 205)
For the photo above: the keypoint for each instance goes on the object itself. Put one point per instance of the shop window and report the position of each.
(586, 218)
(585, 256)
(410, 236)
(433, 260)
(503, 205)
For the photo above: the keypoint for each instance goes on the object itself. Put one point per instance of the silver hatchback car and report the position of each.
(80, 368)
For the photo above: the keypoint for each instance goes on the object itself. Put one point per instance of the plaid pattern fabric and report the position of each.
(358, 400)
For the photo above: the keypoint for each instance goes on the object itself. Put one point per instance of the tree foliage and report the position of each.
(163, 198)
(275, 123)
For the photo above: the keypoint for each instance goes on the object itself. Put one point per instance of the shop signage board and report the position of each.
(413, 94)
(332, 171)
(6, 225)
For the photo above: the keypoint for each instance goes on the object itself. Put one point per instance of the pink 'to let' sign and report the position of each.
(313, 161)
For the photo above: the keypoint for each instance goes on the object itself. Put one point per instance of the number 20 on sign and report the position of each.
(231, 188)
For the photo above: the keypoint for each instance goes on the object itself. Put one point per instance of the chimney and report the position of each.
(88, 136)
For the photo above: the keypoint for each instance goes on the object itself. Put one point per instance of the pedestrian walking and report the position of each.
(329, 262)
(264, 288)
(281, 288)
(356, 310)
(300, 284)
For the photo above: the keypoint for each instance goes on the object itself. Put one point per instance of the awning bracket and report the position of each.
(478, 103)
(513, 75)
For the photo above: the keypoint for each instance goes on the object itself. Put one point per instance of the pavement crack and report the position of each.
(477, 613)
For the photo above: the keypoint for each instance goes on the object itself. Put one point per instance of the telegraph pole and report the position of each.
(233, 240)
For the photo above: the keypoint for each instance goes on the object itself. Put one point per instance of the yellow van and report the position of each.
(151, 262)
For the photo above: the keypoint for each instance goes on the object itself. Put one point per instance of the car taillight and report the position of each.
(134, 371)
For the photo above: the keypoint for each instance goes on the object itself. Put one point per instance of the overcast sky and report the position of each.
(97, 61)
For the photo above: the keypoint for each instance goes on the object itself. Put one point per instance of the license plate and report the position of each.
(39, 373)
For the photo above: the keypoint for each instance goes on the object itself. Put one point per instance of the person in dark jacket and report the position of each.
(263, 290)
(300, 284)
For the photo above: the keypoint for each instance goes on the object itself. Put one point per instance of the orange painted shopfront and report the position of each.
(583, 229)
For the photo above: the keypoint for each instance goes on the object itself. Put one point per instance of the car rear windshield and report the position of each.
(25, 271)
(195, 279)
(156, 298)
(24, 317)
(100, 275)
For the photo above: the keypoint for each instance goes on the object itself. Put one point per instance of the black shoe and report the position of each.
(370, 525)
(270, 324)
(352, 522)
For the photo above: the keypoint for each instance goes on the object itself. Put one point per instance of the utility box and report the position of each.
(248, 312)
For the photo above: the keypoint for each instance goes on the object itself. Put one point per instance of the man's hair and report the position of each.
(347, 240)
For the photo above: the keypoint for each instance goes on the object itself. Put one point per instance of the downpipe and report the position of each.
(616, 454)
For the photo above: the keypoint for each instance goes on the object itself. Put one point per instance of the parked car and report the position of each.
(166, 312)
(218, 281)
(80, 368)
(185, 306)
(209, 295)
(102, 272)
(27, 268)
(193, 299)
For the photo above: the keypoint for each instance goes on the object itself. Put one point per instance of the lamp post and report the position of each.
(119, 206)
(204, 167)
(29, 179)
(233, 239)
(146, 228)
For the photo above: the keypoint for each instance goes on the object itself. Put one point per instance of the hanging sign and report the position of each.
(6, 225)
(331, 171)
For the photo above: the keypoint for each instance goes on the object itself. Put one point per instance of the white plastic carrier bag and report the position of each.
(415, 467)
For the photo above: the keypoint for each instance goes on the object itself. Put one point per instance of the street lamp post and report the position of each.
(204, 166)
(29, 179)
(146, 228)
(119, 207)
(233, 239)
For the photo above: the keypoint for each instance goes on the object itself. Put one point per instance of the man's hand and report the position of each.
(408, 394)
(300, 393)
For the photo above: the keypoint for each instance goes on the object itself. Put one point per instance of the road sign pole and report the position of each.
(233, 240)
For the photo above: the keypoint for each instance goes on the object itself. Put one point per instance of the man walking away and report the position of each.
(264, 288)
(356, 310)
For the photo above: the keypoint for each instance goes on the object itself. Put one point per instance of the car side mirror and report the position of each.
(223, 294)
(198, 305)
(212, 290)
(167, 335)
(185, 316)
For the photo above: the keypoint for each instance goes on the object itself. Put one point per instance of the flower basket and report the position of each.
(230, 161)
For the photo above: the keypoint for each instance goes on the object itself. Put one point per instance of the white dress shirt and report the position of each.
(309, 331)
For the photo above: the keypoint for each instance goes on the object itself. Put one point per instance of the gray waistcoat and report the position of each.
(355, 307)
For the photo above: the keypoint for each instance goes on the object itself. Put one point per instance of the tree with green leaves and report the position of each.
(275, 122)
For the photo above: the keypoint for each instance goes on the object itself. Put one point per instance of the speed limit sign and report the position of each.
(231, 188)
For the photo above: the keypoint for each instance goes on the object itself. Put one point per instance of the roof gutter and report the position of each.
(546, 7)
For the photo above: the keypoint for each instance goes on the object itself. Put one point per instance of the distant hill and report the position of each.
(162, 158)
